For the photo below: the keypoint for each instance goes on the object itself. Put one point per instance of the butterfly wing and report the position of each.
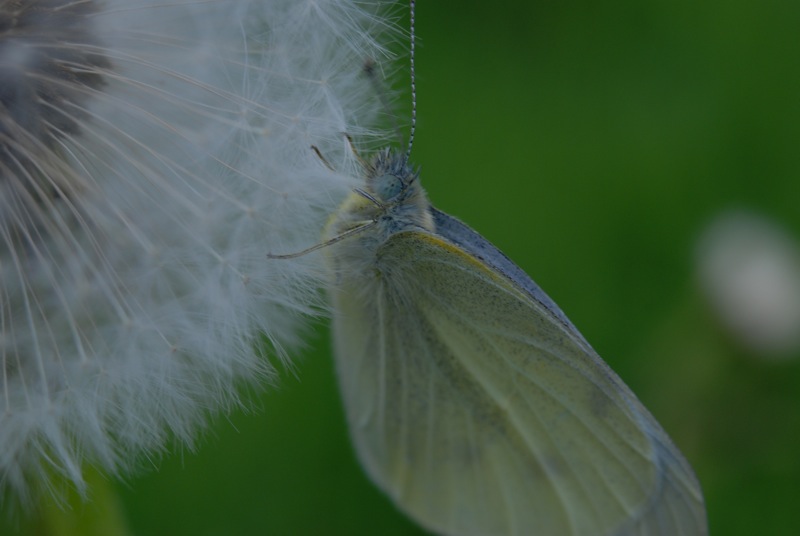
(481, 411)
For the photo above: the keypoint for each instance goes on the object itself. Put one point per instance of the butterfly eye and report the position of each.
(387, 187)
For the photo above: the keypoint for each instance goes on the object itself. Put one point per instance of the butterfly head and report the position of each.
(391, 179)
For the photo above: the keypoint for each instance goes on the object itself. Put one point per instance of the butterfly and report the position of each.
(472, 400)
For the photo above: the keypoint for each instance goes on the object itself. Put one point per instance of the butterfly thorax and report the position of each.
(392, 200)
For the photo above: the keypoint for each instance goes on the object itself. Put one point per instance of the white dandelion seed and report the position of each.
(151, 154)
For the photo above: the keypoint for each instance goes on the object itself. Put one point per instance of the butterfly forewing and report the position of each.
(481, 411)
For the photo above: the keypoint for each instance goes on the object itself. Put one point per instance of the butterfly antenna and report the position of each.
(413, 88)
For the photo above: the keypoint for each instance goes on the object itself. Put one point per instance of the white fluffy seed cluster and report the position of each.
(151, 154)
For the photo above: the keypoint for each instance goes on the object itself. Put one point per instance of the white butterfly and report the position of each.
(472, 400)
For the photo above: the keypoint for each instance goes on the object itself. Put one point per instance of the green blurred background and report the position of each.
(591, 142)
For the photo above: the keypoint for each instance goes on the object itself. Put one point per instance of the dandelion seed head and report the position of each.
(151, 154)
(44, 86)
